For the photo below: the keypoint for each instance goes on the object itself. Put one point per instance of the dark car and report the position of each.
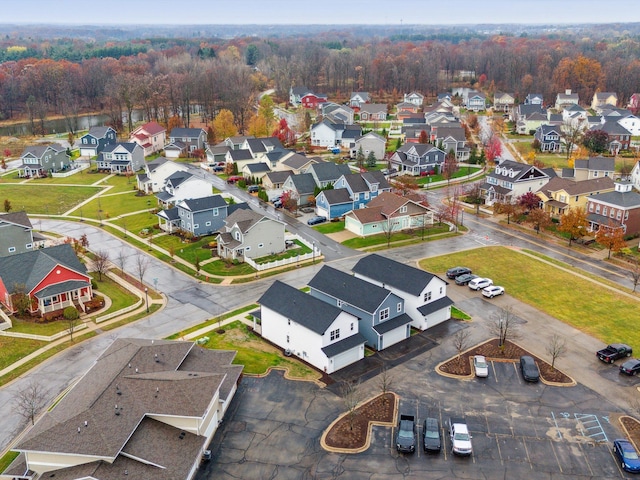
(457, 271)
(465, 278)
(627, 456)
(529, 369)
(431, 435)
(630, 367)
(253, 188)
(316, 220)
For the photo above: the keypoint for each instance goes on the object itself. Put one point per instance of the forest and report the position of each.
(167, 76)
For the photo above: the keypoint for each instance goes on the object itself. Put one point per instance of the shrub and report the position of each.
(70, 313)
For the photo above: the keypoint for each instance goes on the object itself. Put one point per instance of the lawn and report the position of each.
(186, 251)
(135, 223)
(330, 227)
(83, 177)
(120, 297)
(6, 460)
(13, 349)
(381, 238)
(121, 183)
(45, 199)
(115, 205)
(301, 249)
(222, 268)
(560, 294)
(212, 321)
(46, 329)
(462, 172)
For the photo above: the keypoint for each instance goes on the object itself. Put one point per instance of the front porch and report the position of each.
(73, 293)
(30, 171)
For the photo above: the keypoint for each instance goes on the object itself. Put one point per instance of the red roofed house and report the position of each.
(150, 136)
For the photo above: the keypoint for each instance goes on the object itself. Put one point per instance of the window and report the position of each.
(440, 290)
(287, 338)
(288, 321)
(597, 208)
(366, 195)
(215, 212)
(399, 307)
(613, 212)
(604, 211)
(208, 224)
(339, 303)
(352, 326)
(384, 314)
(12, 249)
(196, 225)
(30, 245)
(335, 334)
(618, 216)
(237, 235)
(595, 173)
(247, 248)
(403, 209)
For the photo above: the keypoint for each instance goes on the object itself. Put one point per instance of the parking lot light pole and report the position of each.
(146, 296)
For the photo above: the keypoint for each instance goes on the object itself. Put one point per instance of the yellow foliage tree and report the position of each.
(223, 125)
(258, 126)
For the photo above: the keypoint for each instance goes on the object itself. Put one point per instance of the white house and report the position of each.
(182, 186)
(156, 172)
(315, 331)
(371, 142)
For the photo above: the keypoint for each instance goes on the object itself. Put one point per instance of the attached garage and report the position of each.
(393, 331)
(345, 352)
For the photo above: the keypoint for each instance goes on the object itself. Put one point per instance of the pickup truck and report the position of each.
(406, 436)
(613, 352)
(460, 438)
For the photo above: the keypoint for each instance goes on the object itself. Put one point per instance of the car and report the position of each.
(480, 283)
(613, 352)
(465, 278)
(406, 436)
(492, 291)
(289, 243)
(253, 188)
(431, 441)
(277, 203)
(457, 271)
(630, 367)
(234, 179)
(218, 168)
(626, 454)
(529, 369)
(481, 366)
(316, 220)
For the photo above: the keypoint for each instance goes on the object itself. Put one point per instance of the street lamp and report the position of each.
(146, 296)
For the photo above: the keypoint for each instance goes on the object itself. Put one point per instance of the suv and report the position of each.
(456, 271)
(253, 188)
(480, 283)
(460, 438)
(431, 435)
(316, 220)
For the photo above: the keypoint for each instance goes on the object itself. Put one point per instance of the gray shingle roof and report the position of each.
(389, 272)
(186, 132)
(337, 196)
(17, 218)
(434, 306)
(304, 183)
(392, 324)
(258, 167)
(344, 345)
(627, 200)
(201, 204)
(98, 131)
(128, 146)
(596, 163)
(328, 171)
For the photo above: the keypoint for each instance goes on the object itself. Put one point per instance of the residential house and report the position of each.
(239, 158)
(424, 294)
(156, 172)
(296, 163)
(510, 179)
(327, 173)
(634, 103)
(182, 186)
(380, 313)
(373, 112)
(327, 134)
(17, 235)
(53, 278)
(406, 110)
(503, 102)
(336, 113)
(248, 234)
(40, 160)
(94, 141)
(450, 137)
(151, 137)
(236, 142)
(592, 167)
(534, 99)
(254, 172)
(550, 138)
(183, 141)
(197, 216)
(371, 143)
(296, 94)
(313, 100)
(560, 195)
(629, 121)
(145, 409)
(618, 137)
(566, 100)
(259, 147)
(414, 98)
(273, 182)
(417, 158)
(357, 99)
(363, 187)
(575, 116)
(321, 334)
(603, 100)
(333, 203)
(635, 175)
(217, 154)
(476, 101)
(618, 209)
(121, 158)
(300, 186)
(388, 213)
(528, 118)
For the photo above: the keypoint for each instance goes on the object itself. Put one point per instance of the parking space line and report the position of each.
(586, 458)
(520, 381)
(592, 425)
(615, 460)
(499, 451)
(493, 367)
(524, 442)
(556, 422)
(556, 455)
(533, 423)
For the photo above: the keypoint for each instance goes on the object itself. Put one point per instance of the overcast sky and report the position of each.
(393, 12)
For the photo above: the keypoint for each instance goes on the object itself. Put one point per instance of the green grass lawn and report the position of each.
(381, 238)
(121, 183)
(46, 329)
(7, 458)
(13, 349)
(115, 205)
(213, 321)
(81, 178)
(45, 199)
(135, 223)
(222, 268)
(462, 172)
(300, 249)
(330, 227)
(561, 294)
(186, 251)
(120, 297)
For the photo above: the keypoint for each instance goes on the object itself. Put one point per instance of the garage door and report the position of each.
(394, 336)
(346, 358)
(322, 212)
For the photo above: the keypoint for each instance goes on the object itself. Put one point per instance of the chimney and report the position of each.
(567, 91)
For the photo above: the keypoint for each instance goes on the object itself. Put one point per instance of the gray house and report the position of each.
(17, 235)
(121, 158)
(185, 140)
(301, 186)
(249, 234)
(94, 141)
(327, 173)
(39, 160)
(371, 142)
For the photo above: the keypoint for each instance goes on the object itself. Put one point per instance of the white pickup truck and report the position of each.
(460, 438)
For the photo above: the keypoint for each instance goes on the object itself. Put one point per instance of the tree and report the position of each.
(289, 200)
(284, 133)
(121, 259)
(142, 263)
(174, 122)
(252, 55)
(224, 125)
(504, 326)
(529, 201)
(423, 138)
(595, 141)
(385, 379)
(371, 160)
(20, 299)
(7, 205)
(101, 262)
(450, 166)
(172, 252)
(611, 237)
(556, 349)
(574, 223)
(539, 219)
(258, 126)
(505, 208)
(635, 273)
(71, 316)
(571, 136)
(461, 342)
(474, 196)
(352, 397)
(405, 184)
(30, 399)
(266, 111)
(196, 263)
(360, 158)
(388, 227)
(84, 241)
(493, 148)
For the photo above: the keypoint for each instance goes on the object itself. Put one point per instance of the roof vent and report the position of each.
(78, 429)
(156, 357)
(136, 370)
(181, 436)
(117, 411)
(86, 424)
(129, 365)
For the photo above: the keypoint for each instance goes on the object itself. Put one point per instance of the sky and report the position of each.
(328, 12)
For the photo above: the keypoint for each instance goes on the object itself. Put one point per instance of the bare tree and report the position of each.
(142, 263)
(352, 397)
(504, 326)
(635, 273)
(101, 262)
(30, 400)
(121, 259)
(387, 227)
(556, 349)
(461, 342)
(385, 380)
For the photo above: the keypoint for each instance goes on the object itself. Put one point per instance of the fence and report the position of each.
(73, 171)
(315, 253)
(44, 338)
(122, 311)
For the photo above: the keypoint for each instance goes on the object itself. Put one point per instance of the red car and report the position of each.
(234, 179)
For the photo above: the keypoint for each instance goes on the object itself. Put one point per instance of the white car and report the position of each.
(481, 366)
(492, 291)
(480, 283)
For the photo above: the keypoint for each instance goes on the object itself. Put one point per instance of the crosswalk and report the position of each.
(483, 239)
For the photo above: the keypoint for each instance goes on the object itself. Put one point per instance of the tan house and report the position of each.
(503, 102)
(250, 235)
(592, 167)
(150, 136)
(562, 194)
(602, 100)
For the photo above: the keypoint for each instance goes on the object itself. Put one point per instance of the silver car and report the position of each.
(481, 366)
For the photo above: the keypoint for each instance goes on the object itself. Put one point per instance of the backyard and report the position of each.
(404, 237)
(45, 199)
(112, 205)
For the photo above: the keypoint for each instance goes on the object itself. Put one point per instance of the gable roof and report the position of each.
(257, 167)
(187, 132)
(373, 108)
(128, 146)
(278, 177)
(17, 218)
(99, 131)
(573, 187)
(244, 218)
(336, 196)
(626, 200)
(389, 202)
(303, 182)
(516, 171)
(595, 163)
(151, 128)
(240, 155)
(328, 171)
(201, 204)
(39, 150)
(297, 161)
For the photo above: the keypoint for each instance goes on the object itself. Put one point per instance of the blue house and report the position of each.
(333, 203)
(94, 141)
(362, 187)
(381, 316)
(198, 216)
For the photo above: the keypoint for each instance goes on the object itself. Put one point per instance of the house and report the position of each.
(634, 103)
(121, 158)
(239, 158)
(592, 167)
(534, 99)
(357, 99)
(528, 118)
(560, 195)
(476, 101)
(510, 179)
(333, 203)
(255, 171)
(300, 186)
(248, 234)
(182, 186)
(417, 158)
(414, 98)
(236, 142)
(183, 141)
(40, 160)
(53, 278)
(296, 163)
(618, 137)
(296, 94)
(620, 208)
(566, 100)
(327, 173)
(197, 216)
(406, 110)
(315, 331)
(94, 141)
(450, 137)
(602, 100)
(629, 121)
(503, 102)
(259, 147)
(371, 142)
(372, 112)
(575, 116)
(151, 137)
(17, 235)
(216, 154)
(380, 313)
(313, 100)
(156, 172)
(363, 187)
(327, 134)
(550, 138)
(388, 213)
(635, 175)
(275, 180)
(424, 294)
(146, 409)
(336, 113)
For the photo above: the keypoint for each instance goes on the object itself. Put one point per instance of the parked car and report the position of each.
(316, 220)
(465, 278)
(529, 369)
(626, 454)
(289, 243)
(630, 367)
(481, 366)
(277, 203)
(460, 438)
(431, 441)
(406, 436)
(492, 291)
(234, 179)
(613, 352)
(218, 168)
(456, 271)
(480, 283)
(253, 188)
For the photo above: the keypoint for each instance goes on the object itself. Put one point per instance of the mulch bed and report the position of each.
(633, 428)
(350, 432)
(510, 353)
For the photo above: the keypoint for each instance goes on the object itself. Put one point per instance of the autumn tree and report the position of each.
(257, 126)
(284, 133)
(7, 205)
(450, 166)
(174, 122)
(571, 135)
(529, 201)
(266, 111)
(472, 122)
(611, 237)
(474, 196)
(539, 219)
(405, 184)
(223, 125)
(573, 223)
(423, 138)
(493, 148)
(581, 73)
(595, 141)
(634, 273)
(505, 208)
